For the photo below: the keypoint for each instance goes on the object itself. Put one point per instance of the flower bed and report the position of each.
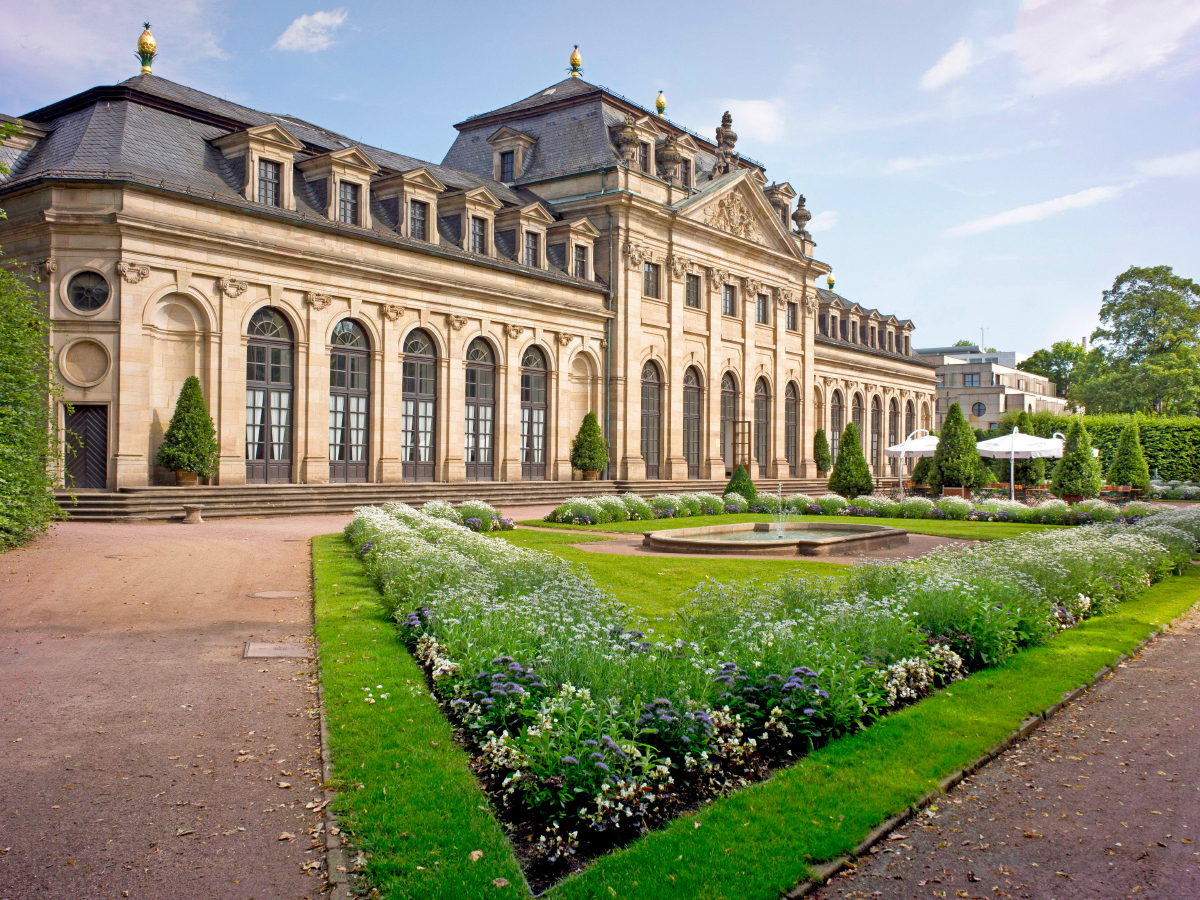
(630, 507)
(1174, 490)
(588, 730)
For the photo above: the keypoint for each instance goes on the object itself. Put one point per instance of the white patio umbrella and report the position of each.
(1059, 440)
(1019, 446)
(919, 443)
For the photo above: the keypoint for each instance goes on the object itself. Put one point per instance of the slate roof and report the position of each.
(839, 302)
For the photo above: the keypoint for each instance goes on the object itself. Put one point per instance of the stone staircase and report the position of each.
(166, 503)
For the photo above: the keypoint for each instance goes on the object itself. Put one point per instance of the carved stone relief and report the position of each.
(514, 331)
(731, 215)
(393, 311)
(318, 301)
(563, 338)
(635, 254)
(233, 288)
(44, 268)
(133, 273)
(455, 322)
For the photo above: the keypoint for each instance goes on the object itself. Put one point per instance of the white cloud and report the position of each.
(1038, 211)
(1180, 164)
(826, 220)
(313, 32)
(1073, 43)
(909, 163)
(757, 120)
(953, 65)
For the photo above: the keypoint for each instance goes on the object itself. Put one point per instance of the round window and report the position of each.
(87, 291)
(978, 410)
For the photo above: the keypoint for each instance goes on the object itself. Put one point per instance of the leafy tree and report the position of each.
(190, 444)
(920, 472)
(964, 343)
(588, 451)
(851, 476)
(821, 455)
(1149, 312)
(1061, 364)
(1128, 465)
(956, 460)
(1078, 472)
(740, 483)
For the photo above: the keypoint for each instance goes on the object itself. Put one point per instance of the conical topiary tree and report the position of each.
(1078, 472)
(956, 459)
(850, 476)
(588, 451)
(1128, 465)
(190, 444)
(821, 455)
(740, 483)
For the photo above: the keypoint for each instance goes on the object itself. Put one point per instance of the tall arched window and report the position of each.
(819, 407)
(693, 402)
(857, 415)
(729, 414)
(791, 420)
(837, 416)
(269, 353)
(910, 425)
(418, 407)
(651, 417)
(479, 448)
(533, 415)
(762, 426)
(349, 400)
(876, 435)
(894, 431)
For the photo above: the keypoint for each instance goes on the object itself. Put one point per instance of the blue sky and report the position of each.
(968, 164)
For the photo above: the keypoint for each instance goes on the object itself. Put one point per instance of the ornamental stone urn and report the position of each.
(591, 475)
(186, 479)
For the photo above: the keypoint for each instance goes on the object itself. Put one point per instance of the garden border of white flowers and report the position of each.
(627, 507)
(458, 581)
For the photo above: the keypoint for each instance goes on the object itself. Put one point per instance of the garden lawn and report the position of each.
(975, 531)
(656, 585)
(419, 805)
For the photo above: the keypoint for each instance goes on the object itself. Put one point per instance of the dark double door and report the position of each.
(349, 399)
(87, 446)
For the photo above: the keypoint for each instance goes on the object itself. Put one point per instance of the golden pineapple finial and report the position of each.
(829, 281)
(576, 62)
(661, 104)
(147, 49)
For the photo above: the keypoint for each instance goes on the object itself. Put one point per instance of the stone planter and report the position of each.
(963, 492)
(186, 479)
(591, 475)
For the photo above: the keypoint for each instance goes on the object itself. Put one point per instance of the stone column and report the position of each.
(714, 467)
(456, 385)
(129, 414)
(674, 463)
(310, 395)
(808, 409)
(748, 291)
(231, 376)
(386, 404)
(559, 450)
(508, 405)
(627, 420)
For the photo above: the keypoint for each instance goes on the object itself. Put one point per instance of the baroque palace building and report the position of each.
(354, 314)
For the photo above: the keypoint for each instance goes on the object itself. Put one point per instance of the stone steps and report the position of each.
(165, 503)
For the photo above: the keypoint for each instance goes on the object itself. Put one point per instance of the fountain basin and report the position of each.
(768, 539)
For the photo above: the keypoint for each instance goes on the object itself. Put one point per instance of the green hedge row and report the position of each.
(1171, 444)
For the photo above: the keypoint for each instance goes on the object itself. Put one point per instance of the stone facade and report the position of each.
(634, 276)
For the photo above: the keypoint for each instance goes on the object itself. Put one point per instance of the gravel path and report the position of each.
(140, 755)
(1102, 802)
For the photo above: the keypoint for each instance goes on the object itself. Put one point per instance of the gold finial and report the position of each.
(661, 104)
(147, 49)
(829, 281)
(576, 62)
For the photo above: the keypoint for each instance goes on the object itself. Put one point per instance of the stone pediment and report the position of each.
(740, 209)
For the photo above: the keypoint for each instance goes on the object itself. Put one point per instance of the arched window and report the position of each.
(729, 414)
(533, 415)
(819, 407)
(269, 353)
(418, 407)
(349, 400)
(857, 413)
(479, 448)
(926, 422)
(762, 426)
(876, 435)
(791, 420)
(894, 431)
(693, 402)
(910, 425)
(651, 417)
(837, 415)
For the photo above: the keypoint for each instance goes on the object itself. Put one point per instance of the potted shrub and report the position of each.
(588, 452)
(190, 444)
(741, 484)
(1077, 474)
(821, 455)
(1128, 467)
(956, 464)
(851, 477)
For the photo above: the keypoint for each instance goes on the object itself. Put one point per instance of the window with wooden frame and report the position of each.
(581, 261)
(729, 300)
(348, 193)
(532, 258)
(507, 159)
(268, 183)
(418, 220)
(762, 309)
(478, 235)
(650, 279)
(692, 291)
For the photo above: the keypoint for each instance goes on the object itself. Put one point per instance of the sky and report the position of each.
(969, 165)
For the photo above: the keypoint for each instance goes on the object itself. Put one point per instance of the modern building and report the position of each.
(355, 314)
(985, 386)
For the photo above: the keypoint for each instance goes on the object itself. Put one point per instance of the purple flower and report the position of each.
(809, 712)
(602, 767)
(570, 761)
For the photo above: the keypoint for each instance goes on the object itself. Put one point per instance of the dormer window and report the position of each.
(532, 258)
(268, 183)
(890, 342)
(685, 172)
(507, 161)
(418, 220)
(479, 235)
(644, 156)
(348, 202)
(872, 335)
(581, 255)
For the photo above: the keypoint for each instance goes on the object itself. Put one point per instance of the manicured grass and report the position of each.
(420, 806)
(657, 585)
(975, 531)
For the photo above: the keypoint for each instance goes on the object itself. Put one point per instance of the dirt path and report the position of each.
(1102, 802)
(140, 755)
